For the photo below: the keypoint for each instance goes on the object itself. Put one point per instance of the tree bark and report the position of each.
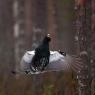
(93, 49)
(36, 14)
(6, 37)
(19, 31)
(83, 36)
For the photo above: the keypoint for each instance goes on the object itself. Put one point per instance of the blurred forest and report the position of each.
(23, 24)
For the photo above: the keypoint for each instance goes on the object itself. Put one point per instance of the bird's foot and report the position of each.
(33, 69)
(27, 72)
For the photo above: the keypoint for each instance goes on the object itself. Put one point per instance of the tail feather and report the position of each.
(75, 62)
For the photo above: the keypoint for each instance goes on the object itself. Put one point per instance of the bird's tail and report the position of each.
(73, 63)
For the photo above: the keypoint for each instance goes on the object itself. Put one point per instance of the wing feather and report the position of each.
(67, 63)
(26, 60)
(57, 62)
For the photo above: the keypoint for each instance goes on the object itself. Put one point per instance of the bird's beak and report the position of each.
(48, 35)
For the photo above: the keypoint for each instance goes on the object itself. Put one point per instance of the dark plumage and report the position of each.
(62, 53)
(42, 53)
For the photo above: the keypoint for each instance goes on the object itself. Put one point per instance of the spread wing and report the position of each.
(57, 62)
(26, 60)
(67, 63)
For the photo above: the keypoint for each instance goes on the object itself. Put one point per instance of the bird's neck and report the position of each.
(45, 45)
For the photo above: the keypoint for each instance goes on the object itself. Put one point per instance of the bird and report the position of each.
(42, 59)
(42, 53)
(58, 60)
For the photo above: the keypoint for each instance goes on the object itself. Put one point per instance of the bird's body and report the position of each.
(41, 56)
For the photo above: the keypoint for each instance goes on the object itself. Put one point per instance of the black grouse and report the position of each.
(42, 53)
(58, 61)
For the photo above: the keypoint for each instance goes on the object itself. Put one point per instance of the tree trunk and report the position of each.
(83, 35)
(36, 14)
(6, 37)
(19, 31)
(93, 49)
(52, 22)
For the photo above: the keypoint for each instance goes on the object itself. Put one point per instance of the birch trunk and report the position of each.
(19, 31)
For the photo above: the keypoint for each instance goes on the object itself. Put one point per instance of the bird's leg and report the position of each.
(33, 69)
(27, 71)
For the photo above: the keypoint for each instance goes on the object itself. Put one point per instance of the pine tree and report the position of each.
(83, 35)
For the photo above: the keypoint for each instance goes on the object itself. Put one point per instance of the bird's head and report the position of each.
(47, 38)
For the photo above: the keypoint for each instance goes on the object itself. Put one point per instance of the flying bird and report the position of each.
(43, 60)
(58, 61)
